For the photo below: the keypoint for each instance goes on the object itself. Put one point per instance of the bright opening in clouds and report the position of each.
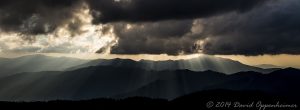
(84, 37)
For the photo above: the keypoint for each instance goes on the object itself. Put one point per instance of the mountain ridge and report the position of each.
(36, 63)
(109, 81)
(39, 62)
(201, 63)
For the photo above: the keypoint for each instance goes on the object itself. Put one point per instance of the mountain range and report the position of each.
(39, 63)
(121, 78)
(268, 66)
(36, 63)
(201, 63)
(121, 82)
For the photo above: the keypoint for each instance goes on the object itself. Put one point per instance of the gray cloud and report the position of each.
(33, 17)
(156, 10)
(251, 27)
(269, 29)
(272, 29)
(154, 37)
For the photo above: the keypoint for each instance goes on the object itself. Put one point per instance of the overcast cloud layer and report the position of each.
(246, 27)
(156, 10)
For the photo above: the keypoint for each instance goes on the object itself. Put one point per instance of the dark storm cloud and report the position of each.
(35, 16)
(153, 38)
(245, 27)
(272, 29)
(155, 10)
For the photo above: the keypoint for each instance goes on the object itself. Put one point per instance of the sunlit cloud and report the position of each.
(88, 38)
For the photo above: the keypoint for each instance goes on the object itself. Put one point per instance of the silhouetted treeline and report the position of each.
(198, 100)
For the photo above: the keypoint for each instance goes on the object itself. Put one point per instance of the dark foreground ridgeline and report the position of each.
(213, 99)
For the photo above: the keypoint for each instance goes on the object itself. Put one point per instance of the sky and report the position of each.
(252, 31)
